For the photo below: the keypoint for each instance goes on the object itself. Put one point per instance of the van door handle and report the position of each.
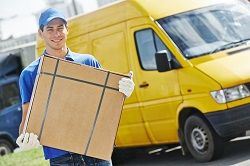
(144, 85)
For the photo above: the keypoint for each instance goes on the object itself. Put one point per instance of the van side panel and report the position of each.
(79, 44)
(109, 45)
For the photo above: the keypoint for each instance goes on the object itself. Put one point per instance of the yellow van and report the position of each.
(191, 63)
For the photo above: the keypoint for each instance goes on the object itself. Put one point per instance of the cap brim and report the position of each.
(52, 18)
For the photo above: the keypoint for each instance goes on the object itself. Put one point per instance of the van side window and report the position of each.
(148, 43)
(10, 95)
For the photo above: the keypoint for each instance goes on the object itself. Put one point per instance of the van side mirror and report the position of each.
(163, 61)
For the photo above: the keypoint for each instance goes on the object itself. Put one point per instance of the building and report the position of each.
(68, 7)
(24, 45)
(104, 2)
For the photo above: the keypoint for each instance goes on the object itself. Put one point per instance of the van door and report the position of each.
(10, 108)
(158, 93)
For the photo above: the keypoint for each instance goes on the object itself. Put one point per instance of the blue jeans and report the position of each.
(73, 159)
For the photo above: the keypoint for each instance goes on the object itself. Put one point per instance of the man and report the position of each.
(53, 30)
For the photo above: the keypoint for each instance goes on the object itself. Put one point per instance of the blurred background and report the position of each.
(18, 20)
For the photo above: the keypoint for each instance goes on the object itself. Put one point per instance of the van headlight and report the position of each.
(230, 94)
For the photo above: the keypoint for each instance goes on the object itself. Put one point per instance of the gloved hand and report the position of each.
(27, 141)
(126, 85)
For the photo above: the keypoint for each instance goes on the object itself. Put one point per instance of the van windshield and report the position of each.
(210, 29)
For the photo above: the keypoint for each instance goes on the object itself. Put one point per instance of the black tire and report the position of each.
(202, 142)
(121, 156)
(5, 147)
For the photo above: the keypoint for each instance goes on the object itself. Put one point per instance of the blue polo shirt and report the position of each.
(27, 80)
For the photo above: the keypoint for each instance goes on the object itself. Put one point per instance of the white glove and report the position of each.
(27, 141)
(126, 85)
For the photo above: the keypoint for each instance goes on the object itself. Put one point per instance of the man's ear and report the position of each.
(67, 27)
(40, 33)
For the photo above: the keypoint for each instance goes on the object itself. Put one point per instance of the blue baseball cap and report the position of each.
(48, 15)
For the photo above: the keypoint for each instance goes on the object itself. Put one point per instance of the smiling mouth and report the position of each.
(56, 41)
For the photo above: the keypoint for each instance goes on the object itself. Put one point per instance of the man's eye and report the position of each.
(49, 30)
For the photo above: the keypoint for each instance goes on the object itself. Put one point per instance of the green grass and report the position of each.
(32, 157)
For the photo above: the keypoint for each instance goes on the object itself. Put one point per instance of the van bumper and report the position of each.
(230, 122)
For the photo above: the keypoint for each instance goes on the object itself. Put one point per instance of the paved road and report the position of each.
(237, 153)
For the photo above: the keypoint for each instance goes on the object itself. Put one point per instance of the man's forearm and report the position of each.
(24, 110)
(21, 126)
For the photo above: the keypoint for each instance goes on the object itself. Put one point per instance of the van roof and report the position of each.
(123, 10)
(161, 8)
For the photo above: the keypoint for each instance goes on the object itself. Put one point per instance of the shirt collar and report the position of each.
(67, 56)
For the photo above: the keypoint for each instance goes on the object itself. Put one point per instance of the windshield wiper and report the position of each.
(230, 45)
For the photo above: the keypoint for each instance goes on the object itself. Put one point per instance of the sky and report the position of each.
(17, 16)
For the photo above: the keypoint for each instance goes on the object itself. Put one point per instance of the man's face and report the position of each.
(54, 34)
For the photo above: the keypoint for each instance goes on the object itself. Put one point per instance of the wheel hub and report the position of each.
(199, 139)
(3, 150)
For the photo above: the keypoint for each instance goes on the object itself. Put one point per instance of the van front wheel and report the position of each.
(202, 142)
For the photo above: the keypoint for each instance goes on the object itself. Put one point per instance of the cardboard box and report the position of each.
(75, 107)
